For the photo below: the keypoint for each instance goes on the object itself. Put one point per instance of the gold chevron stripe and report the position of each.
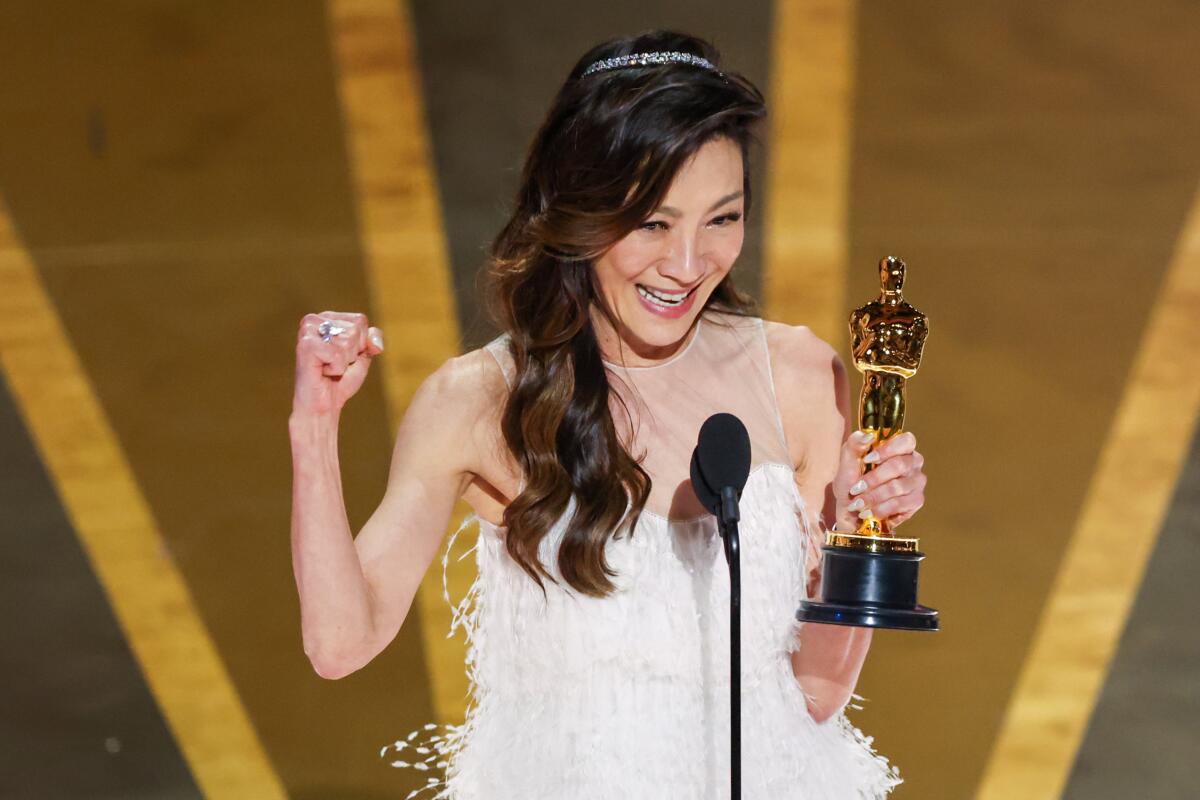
(812, 78)
(120, 536)
(1102, 568)
(407, 266)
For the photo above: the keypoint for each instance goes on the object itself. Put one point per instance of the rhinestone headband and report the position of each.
(643, 59)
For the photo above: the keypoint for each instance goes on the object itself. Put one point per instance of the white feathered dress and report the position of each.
(580, 698)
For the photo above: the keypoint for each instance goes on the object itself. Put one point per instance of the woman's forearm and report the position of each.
(335, 604)
(827, 665)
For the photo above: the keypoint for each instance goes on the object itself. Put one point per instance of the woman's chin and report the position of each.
(659, 334)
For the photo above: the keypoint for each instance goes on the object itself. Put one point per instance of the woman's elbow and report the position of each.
(822, 711)
(334, 665)
(332, 671)
(334, 659)
(824, 699)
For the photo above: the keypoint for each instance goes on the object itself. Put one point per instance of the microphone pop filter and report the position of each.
(721, 459)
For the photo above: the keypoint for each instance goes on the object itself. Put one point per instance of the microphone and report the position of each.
(720, 468)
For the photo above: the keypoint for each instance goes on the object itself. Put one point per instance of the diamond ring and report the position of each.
(329, 329)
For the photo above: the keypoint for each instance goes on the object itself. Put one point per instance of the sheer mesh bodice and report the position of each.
(627, 696)
(723, 366)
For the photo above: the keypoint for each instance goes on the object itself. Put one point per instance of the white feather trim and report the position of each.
(628, 696)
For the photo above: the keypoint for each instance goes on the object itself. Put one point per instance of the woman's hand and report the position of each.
(328, 373)
(892, 490)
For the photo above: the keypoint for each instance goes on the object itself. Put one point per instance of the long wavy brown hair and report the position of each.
(600, 164)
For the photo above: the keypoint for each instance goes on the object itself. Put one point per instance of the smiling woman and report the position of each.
(623, 207)
(598, 626)
(655, 280)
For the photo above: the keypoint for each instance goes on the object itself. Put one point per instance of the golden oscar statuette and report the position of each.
(869, 576)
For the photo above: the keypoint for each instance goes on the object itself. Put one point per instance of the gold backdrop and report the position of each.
(182, 182)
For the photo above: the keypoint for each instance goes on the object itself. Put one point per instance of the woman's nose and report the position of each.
(683, 263)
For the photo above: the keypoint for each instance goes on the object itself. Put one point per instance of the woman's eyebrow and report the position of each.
(671, 211)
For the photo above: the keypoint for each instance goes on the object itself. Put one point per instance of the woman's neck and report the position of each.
(625, 349)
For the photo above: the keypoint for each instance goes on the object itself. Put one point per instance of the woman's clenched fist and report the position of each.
(328, 373)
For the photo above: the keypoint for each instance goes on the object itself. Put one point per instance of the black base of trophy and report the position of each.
(869, 590)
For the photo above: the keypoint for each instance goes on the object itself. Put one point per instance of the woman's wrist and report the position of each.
(306, 427)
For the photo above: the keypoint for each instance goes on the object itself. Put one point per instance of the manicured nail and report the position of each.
(377, 338)
(856, 504)
(858, 488)
(865, 514)
(864, 436)
(871, 457)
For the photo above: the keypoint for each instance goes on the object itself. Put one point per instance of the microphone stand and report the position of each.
(728, 526)
(723, 447)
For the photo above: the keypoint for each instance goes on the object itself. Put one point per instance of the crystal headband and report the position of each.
(643, 59)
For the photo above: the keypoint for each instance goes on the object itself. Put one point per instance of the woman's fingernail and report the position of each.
(871, 457)
(865, 514)
(864, 437)
(377, 339)
(858, 488)
(856, 504)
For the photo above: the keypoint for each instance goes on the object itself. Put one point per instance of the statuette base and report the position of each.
(917, 618)
(869, 589)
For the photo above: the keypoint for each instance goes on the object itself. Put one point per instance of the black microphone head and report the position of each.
(707, 496)
(721, 459)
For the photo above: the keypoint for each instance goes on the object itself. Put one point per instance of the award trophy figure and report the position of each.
(870, 576)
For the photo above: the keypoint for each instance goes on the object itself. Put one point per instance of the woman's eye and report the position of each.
(654, 225)
(724, 219)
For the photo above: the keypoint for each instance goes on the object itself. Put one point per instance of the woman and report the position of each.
(599, 628)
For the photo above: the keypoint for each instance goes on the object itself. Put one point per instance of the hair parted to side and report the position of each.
(601, 163)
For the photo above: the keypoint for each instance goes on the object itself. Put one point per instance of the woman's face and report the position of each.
(658, 278)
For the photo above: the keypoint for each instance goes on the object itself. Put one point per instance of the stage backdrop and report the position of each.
(181, 182)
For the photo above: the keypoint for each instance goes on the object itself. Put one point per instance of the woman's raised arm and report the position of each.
(355, 592)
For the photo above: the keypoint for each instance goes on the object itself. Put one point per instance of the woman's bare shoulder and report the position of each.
(799, 354)
(451, 423)
(813, 394)
(463, 386)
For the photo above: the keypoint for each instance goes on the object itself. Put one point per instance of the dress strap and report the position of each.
(766, 354)
(498, 348)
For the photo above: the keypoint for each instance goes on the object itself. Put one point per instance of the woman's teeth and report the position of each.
(662, 298)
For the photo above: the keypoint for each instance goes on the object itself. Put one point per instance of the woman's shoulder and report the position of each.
(793, 349)
(812, 390)
(466, 385)
(796, 344)
(483, 371)
(805, 367)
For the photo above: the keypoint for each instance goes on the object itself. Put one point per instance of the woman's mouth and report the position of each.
(664, 303)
